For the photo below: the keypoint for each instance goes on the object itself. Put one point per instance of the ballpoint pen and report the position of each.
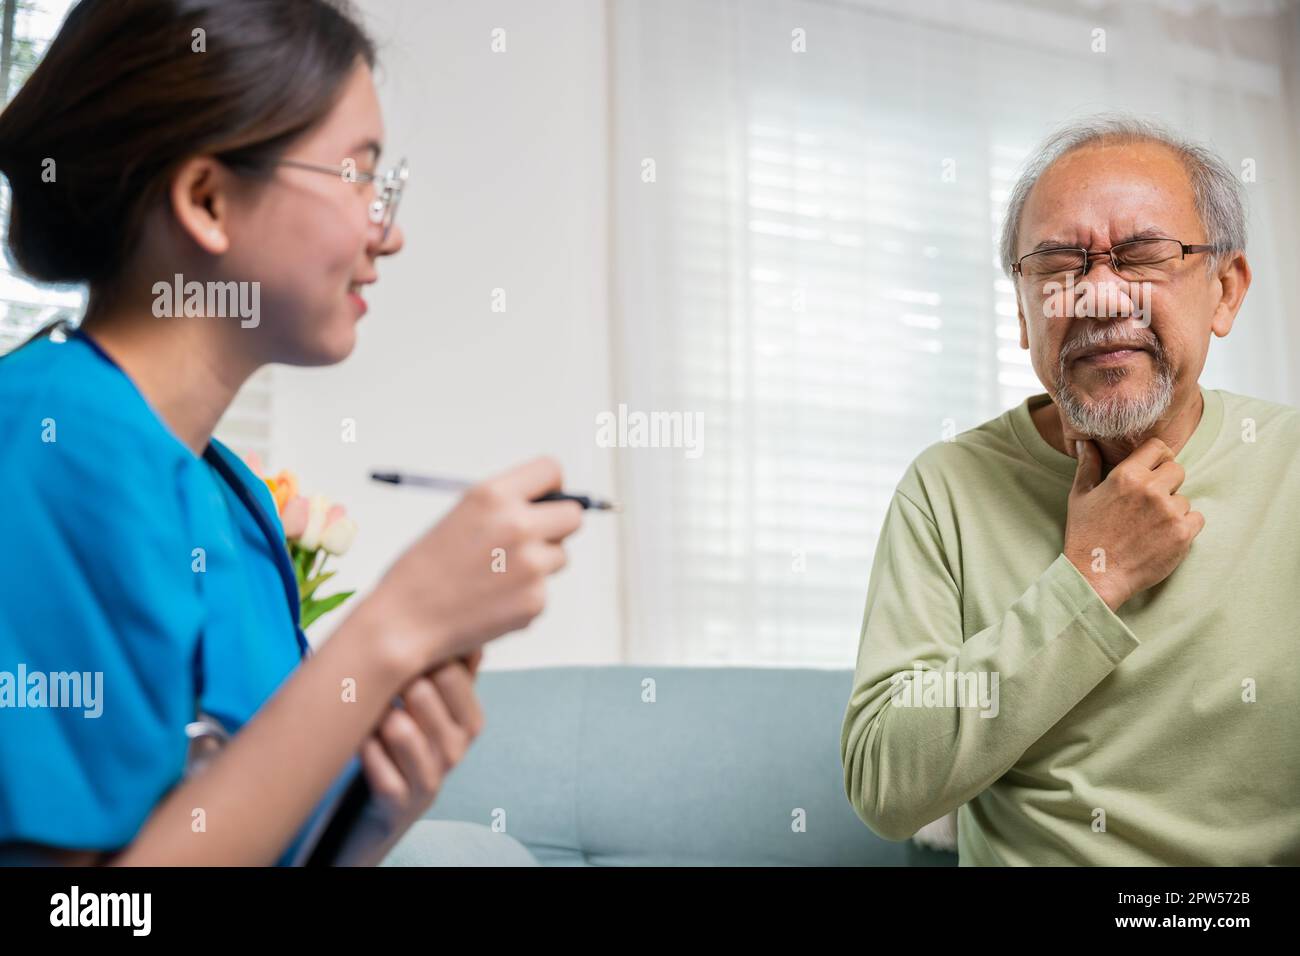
(457, 484)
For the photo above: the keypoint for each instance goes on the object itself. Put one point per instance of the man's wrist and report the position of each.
(1103, 585)
(1107, 594)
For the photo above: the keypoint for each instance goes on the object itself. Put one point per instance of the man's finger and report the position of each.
(1169, 477)
(1151, 454)
(1072, 436)
(1088, 472)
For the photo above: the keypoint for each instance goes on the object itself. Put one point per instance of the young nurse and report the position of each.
(209, 139)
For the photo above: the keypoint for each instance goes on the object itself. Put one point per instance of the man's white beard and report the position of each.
(1116, 418)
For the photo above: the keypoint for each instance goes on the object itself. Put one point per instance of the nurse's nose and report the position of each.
(388, 245)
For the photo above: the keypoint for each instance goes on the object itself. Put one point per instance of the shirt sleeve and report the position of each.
(905, 766)
(100, 616)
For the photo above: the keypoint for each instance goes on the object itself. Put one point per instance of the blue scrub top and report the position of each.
(103, 516)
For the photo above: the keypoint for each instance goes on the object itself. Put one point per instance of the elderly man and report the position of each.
(1083, 620)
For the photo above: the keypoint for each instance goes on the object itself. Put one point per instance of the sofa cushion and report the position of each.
(455, 843)
(655, 766)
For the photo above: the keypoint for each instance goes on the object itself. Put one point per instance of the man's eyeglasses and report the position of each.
(388, 183)
(1136, 259)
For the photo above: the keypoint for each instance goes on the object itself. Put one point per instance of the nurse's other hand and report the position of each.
(417, 745)
(481, 571)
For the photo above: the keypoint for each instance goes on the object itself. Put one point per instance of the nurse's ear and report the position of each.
(200, 199)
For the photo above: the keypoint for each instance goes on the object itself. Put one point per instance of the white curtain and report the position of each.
(804, 248)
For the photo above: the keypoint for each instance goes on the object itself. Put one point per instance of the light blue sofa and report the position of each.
(577, 767)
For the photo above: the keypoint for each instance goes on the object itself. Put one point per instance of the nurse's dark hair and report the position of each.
(130, 89)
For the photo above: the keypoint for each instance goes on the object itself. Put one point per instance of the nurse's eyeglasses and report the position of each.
(389, 184)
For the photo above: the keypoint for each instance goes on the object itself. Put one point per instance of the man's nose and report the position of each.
(1101, 292)
(1099, 259)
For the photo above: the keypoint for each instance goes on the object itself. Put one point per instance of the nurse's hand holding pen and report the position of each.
(481, 571)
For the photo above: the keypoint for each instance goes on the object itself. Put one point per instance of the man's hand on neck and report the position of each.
(1175, 430)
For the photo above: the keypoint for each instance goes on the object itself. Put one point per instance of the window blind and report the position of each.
(806, 206)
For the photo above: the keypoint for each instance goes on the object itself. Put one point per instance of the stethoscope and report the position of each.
(206, 733)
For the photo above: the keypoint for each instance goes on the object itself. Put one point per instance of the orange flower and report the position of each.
(284, 488)
(254, 462)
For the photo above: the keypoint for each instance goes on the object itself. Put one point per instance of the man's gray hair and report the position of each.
(1217, 193)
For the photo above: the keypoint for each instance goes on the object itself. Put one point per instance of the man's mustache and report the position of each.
(1110, 337)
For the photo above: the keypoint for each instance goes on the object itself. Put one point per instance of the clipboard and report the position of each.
(334, 822)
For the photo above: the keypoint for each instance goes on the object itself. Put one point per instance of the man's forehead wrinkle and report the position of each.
(1117, 230)
(1103, 194)
(1093, 213)
(1066, 186)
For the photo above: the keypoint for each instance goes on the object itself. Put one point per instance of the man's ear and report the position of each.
(1020, 317)
(201, 204)
(1234, 280)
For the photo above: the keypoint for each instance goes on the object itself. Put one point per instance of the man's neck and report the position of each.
(1175, 430)
(186, 368)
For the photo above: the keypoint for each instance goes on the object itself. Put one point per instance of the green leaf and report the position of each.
(302, 562)
(307, 588)
(312, 609)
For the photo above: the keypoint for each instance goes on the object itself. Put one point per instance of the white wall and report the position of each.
(508, 154)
